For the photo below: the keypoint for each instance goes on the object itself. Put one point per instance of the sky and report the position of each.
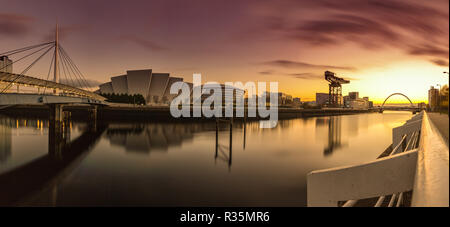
(381, 46)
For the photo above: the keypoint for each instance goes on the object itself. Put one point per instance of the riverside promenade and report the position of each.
(414, 173)
(440, 121)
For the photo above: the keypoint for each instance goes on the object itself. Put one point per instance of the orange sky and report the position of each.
(382, 46)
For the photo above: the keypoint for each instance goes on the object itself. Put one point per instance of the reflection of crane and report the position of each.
(334, 135)
(335, 89)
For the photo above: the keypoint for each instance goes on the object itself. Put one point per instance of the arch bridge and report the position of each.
(412, 108)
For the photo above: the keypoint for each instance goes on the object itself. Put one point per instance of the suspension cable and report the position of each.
(48, 75)
(25, 56)
(69, 66)
(68, 73)
(75, 70)
(12, 52)
(76, 67)
(29, 67)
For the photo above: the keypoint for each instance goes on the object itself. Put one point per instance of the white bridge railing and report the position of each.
(413, 145)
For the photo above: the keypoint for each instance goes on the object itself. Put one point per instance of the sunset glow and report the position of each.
(382, 48)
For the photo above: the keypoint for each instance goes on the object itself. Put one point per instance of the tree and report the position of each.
(124, 98)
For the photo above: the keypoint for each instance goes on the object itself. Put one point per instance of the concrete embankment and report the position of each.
(112, 113)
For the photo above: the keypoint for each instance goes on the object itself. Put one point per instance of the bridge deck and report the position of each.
(31, 81)
(8, 99)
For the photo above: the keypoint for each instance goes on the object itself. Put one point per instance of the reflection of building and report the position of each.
(154, 87)
(433, 98)
(5, 139)
(331, 127)
(145, 138)
(334, 135)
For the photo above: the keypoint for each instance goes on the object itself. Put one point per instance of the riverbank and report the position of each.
(149, 113)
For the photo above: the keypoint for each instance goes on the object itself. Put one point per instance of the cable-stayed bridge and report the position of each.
(45, 91)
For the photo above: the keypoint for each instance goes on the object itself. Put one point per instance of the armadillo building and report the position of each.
(154, 87)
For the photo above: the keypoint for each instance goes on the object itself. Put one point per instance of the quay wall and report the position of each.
(114, 113)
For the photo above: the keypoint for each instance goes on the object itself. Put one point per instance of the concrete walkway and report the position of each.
(440, 121)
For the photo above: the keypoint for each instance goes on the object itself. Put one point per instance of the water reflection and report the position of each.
(156, 137)
(6, 126)
(333, 124)
(221, 153)
(34, 175)
(184, 164)
(5, 140)
(145, 138)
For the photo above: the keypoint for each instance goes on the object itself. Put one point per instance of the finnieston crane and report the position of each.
(335, 89)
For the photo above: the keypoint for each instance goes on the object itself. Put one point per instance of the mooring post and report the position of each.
(245, 134)
(231, 143)
(217, 139)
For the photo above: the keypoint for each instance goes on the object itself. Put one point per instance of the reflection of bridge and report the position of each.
(399, 108)
(25, 180)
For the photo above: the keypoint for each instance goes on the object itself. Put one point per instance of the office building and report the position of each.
(227, 92)
(6, 64)
(353, 101)
(433, 98)
(322, 98)
(353, 95)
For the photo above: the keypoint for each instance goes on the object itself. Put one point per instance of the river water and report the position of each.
(187, 164)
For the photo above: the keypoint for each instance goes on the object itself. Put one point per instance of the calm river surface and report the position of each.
(174, 164)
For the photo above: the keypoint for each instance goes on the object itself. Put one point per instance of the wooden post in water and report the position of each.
(231, 143)
(217, 139)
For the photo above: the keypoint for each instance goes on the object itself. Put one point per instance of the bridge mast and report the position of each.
(56, 68)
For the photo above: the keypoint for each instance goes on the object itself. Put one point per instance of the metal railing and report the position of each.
(395, 175)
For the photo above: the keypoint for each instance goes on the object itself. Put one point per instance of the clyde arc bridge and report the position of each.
(412, 108)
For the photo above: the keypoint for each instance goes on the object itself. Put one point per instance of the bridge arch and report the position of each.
(397, 94)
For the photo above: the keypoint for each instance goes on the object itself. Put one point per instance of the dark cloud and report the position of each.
(416, 27)
(440, 62)
(297, 64)
(303, 76)
(344, 28)
(268, 72)
(429, 50)
(307, 76)
(14, 25)
(147, 44)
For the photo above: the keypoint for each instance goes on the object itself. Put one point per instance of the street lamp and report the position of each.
(448, 86)
(439, 97)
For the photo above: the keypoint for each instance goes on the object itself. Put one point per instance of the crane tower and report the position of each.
(335, 89)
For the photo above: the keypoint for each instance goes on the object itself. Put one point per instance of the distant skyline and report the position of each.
(382, 46)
